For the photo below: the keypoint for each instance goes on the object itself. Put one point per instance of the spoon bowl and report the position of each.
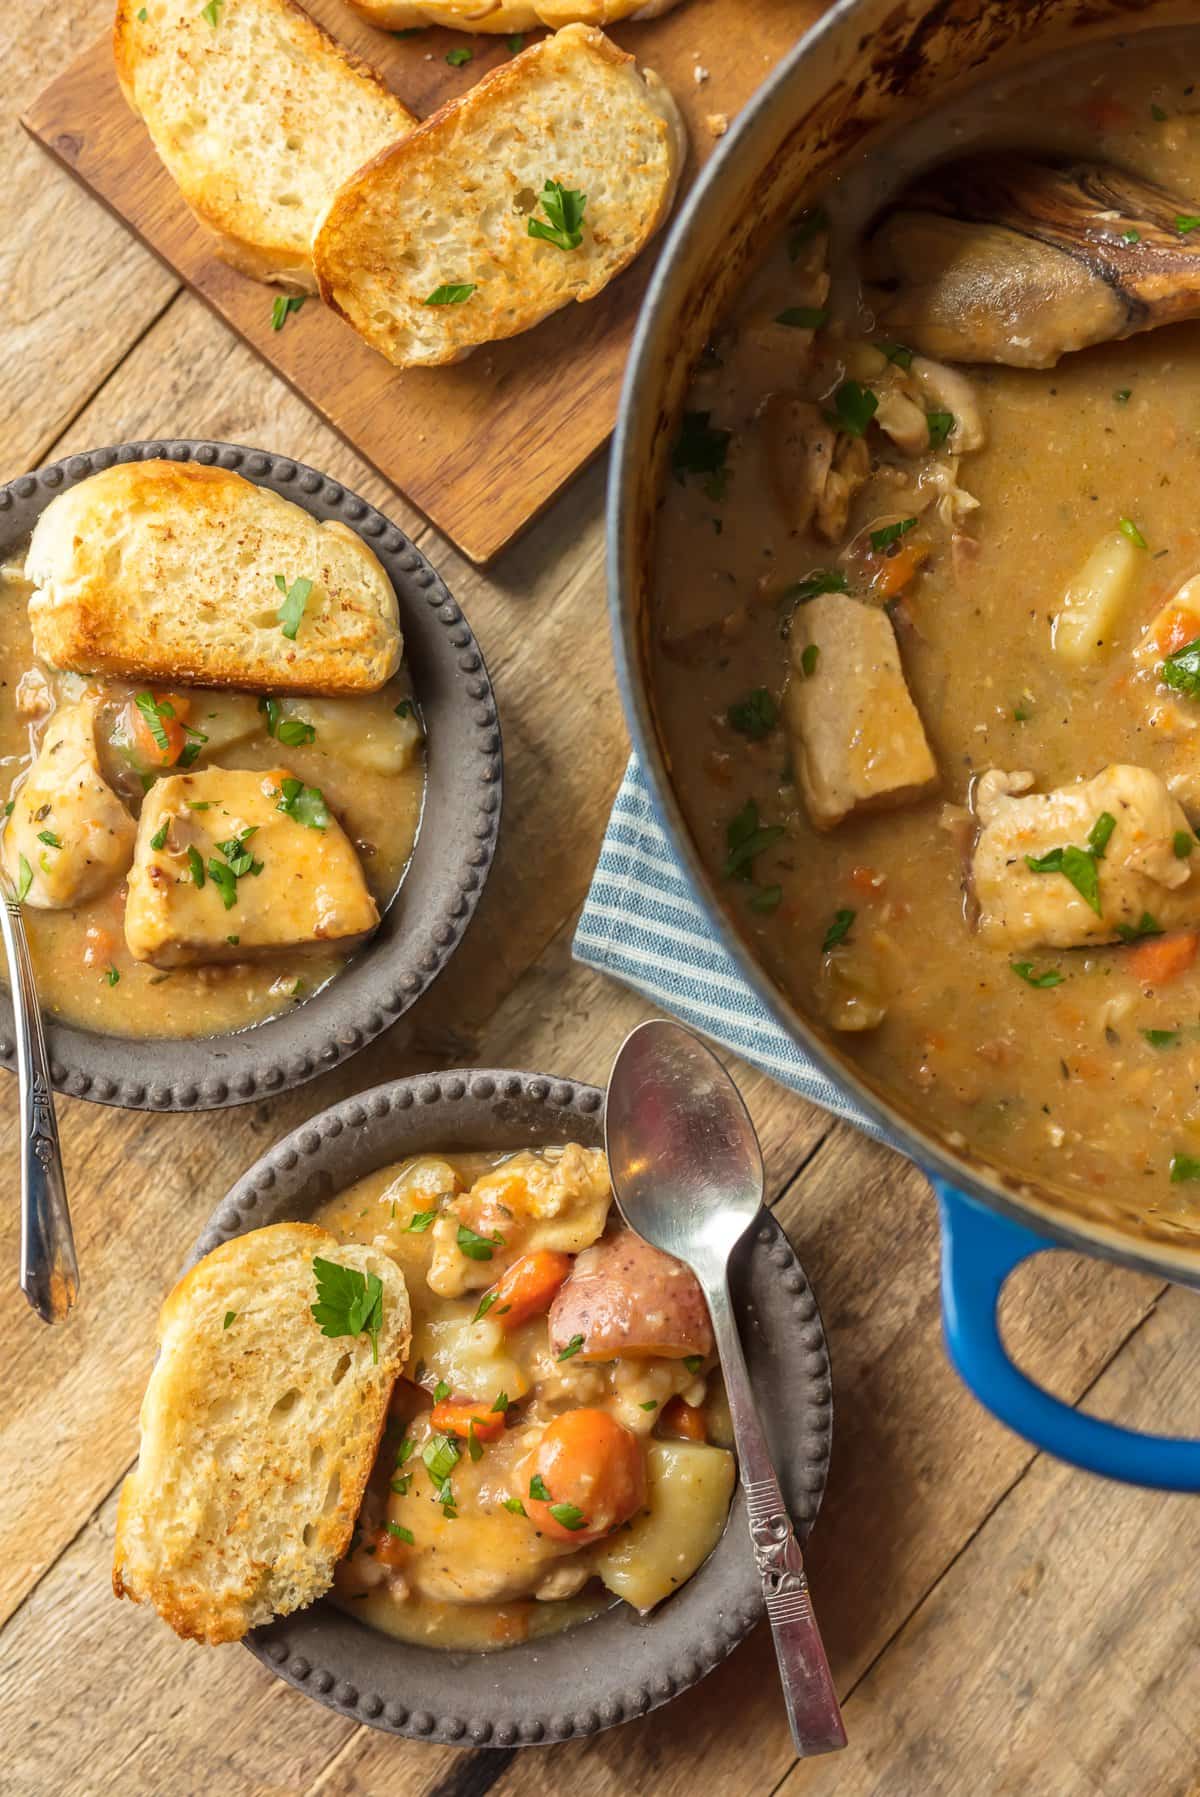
(687, 1174)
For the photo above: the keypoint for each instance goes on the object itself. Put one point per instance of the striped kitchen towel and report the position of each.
(643, 924)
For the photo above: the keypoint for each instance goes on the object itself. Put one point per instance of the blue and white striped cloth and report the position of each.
(643, 924)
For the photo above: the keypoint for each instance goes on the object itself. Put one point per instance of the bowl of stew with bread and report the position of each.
(906, 598)
(251, 768)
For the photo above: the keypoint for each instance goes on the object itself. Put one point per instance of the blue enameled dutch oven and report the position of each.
(867, 67)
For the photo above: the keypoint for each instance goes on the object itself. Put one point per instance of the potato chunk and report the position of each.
(1094, 600)
(688, 1488)
(627, 1298)
(223, 871)
(1138, 874)
(67, 825)
(858, 739)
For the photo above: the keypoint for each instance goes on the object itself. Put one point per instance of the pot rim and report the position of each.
(637, 420)
(442, 882)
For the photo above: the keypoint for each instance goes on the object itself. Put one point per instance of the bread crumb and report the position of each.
(699, 74)
(717, 123)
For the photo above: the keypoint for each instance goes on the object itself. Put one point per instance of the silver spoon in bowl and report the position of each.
(687, 1174)
(49, 1271)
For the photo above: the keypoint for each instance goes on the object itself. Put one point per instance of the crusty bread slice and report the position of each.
(258, 116)
(451, 203)
(506, 15)
(167, 571)
(258, 1436)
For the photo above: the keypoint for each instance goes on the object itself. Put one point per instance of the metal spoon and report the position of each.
(687, 1173)
(49, 1270)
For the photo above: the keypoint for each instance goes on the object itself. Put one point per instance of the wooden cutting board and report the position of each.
(481, 447)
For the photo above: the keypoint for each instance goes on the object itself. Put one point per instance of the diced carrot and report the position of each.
(454, 1416)
(898, 569)
(160, 743)
(1176, 628)
(529, 1287)
(1164, 958)
(97, 946)
(685, 1420)
(390, 1549)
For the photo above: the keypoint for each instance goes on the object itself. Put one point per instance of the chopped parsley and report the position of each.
(459, 57)
(572, 1348)
(474, 1445)
(1184, 1166)
(1123, 395)
(230, 1316)
(212, 12)
(1145, 926)
(419, 1222)
(693, 1362)
(441, 1456)
(564, 208)
(441, 1390)
(1024, 971)
(838, 930)
(50, 839)
(1186, 222)
(891, 533)
(516, 42)
(537, 1489)
(939, 425)
(803, 318)
(1157, 112)
(1129, 529)
(225, 881)
(1184, 842)
(745, 838)
(898, 353)
(766, 899)
(154, 711)
(1131, 237)
(112, 977)
(283, 306)
(485, 1304)
(451, 293)
(306, 804)
(348, 1302)
(854, 406)
(500, 1407)
(808, 660)
(1100, 834)
(401, 1533)
(195, 866)
(755, 716)
(516, 1506)
(1181, 671)
(294, 602)
(568, 1516)
(1079, 866)
(404, 709)
(1161, 1038)
(650, 1404)
(291, 732)
(701, 448)
(477, 1247)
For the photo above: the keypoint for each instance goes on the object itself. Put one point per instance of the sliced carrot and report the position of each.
(898, 569)
(454, 1416)
(867, 880)
(98, 946)
(160, 743)
(685, 1420)
(1164, 958)
(587, 1475)
(529, 1287)
(1176, 628)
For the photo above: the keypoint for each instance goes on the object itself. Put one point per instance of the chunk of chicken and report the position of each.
(798, 443)
(67, 827)
(228, 868)
(558, 1200)
(946, 389)
(1172, 717)
(851, 466)
(1138, 873)
(858, 739)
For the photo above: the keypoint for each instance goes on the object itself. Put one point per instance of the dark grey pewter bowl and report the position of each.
(619, 1665)
(450, 862)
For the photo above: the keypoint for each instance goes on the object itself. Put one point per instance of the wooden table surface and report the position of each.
(996, 1622)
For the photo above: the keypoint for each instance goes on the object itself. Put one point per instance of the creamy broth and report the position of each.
(86, 974)
(1089, 1080)
(478, 1572)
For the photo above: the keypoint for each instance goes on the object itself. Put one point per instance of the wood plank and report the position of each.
(481, 447)
(1058, 1654)
(78, 290)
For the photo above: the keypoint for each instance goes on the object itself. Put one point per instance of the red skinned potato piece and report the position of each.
(625, 1297)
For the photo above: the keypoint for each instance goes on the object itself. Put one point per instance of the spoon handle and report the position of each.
(49, 1270)
(812, 1705)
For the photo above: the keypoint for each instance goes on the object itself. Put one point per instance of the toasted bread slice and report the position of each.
(170, 571)
(451, 203)
(505, 15)
(258, 116)
(258, 1435)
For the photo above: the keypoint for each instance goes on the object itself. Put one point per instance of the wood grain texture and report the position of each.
(450, 438)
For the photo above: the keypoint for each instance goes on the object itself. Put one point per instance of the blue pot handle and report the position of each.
(980, 1248)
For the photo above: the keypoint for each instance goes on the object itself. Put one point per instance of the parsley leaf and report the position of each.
(898, 353)
(1145, 926)
(1161, 1038)
(212, 12)
(451, 293)
(283, 306)
(745, 838)
(537, 1489)
(292, 609)
(1077, 865)
(808, 660)
(304, 803)
(568, 1516)
(441, 1456)
(1100, 833)
(564, 207)
(1184, 842)
(401, 1533)
(854, 406)
(457, 58)
(1184, 1166)
(754, 716)
(803, 318)
(348, 1302)
(1181, 671)
(700, 448)
(572, 1348)
(154, 712)
(1129, 529)
(516, 1506)
(1024, 971)
(939, 425)
(891, 533)
(195, 866)
(838, 930)
(24, 879)
(419, 1222)
(477, 1247)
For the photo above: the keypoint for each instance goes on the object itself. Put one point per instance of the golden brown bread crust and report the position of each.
(161, 62)
(166, 571)
(224, 1521)
(505, 15)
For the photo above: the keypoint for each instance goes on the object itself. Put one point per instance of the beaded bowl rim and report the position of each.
(446, 872)
(528, 1694)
